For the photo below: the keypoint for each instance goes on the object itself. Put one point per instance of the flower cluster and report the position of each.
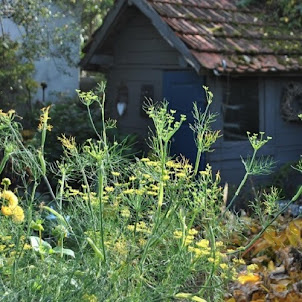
(44, 120)
(11, 207)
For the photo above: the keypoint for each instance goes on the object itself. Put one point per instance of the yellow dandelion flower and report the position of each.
(219, 244)
(223, 266)
(10, 197)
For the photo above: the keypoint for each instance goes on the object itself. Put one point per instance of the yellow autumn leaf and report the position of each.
(293, 234)
(245, 278)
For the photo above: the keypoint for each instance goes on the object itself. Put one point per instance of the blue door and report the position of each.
(181, 89)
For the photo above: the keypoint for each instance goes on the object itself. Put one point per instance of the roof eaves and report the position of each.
(102, 32)
(166, 32)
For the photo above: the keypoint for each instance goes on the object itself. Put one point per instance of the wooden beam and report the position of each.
(166, 32)
(103, 60)
(103, 31)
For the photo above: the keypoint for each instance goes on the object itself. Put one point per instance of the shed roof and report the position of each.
(220, 36)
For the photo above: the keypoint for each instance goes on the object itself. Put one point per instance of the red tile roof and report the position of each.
(222, 36)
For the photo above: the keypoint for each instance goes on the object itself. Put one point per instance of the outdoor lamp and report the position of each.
(122, 100)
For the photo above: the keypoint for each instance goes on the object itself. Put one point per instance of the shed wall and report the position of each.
(286, 145)
(140, 56)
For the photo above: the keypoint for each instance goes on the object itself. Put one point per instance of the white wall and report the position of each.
(59, 77)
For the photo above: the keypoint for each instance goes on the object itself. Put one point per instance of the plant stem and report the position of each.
(101, 190)
(297, 195)
(92, 123)
(197, 161)
(242, 183)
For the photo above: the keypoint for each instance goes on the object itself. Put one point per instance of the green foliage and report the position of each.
(288, 12)
(16, 84)
(150, 229)
(69, 117)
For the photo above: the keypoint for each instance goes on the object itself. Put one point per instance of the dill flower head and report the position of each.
(6, 182)
(89, 298)
(10, 197)
(44, 118)
(68, 143)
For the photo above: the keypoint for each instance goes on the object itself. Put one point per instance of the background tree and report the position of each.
(287, 11)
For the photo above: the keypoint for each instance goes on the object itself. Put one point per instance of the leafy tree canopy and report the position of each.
(49, 27)
(286, 11)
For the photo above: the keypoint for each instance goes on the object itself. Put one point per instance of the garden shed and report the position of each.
(170, 48)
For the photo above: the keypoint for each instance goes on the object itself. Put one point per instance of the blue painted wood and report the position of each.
(181, 89)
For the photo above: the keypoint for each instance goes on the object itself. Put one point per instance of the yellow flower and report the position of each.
(166, 177)
(132, 178)
(181, 175)
(115, 173)
(10, 197)
(68, 143)
(252, 267)
(128, 191)
(109, 189)
(26, 247)
(125, 213)
(219, 243)
(6, 211)
(193, 231)
(89, 298)
(145, 159)
(223, 265)
(177, 234)
(44, 118)
(203, 243)
(130, 227)
(18, 214)
(152, 193)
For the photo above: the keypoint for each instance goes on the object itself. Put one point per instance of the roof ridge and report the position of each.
(199, 5)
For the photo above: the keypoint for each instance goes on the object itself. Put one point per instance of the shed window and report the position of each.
(240, 108)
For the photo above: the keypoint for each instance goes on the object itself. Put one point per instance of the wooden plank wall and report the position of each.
(286, 145)
(140, 56)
